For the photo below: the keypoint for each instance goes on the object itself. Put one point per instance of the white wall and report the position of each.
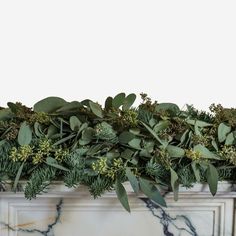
(176, 51)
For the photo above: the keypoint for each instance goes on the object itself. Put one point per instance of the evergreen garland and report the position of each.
(153, 144)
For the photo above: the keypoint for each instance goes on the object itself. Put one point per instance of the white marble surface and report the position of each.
(72, 212)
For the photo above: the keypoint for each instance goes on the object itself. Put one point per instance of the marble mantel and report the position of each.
(63, 211)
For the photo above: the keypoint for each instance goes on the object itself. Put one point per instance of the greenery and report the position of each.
(153, 146)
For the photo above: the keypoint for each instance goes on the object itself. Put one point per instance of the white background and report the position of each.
(176, 51)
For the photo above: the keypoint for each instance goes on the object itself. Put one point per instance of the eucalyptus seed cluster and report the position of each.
(201, 139)
(38, 154)
(229, 152)
(164, 159)
(22, 153)
(110, 170)
(194, 155)
(40, 117)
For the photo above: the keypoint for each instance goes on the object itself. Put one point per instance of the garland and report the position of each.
(153, 146)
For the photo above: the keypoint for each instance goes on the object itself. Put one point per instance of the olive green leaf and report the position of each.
(49, 104)
(223, 130)
(132, 179)
(128, 102)
(96, 109)
(75, 123)
(6, 114)
(122, 195)
(25, 134)
(151, 191)
(212, 178)
(118, 100)
(174, 183)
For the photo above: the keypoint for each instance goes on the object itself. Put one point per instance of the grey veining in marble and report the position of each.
(48, 232)
(166, 220)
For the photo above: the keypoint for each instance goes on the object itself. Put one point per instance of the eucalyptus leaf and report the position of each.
(223, 131)
(25, 134)
(171, 108)
(175, 151)
(198, 123)
(135, 143)
(118, 100)
(122, 195)
(155, 135)
(75, 123)
(18, 175)
(96, 109)
(132, 179)
(196, 171)
(6, 114)
(53, 162)
(108, 103)
(205, 153)
(174, 183)
(230, 139)
(128, 101)
(212, 178)
(49, 104)
(126, 137)
(161, 125)
(151, 191)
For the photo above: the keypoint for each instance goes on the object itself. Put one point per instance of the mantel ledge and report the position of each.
(58, 189)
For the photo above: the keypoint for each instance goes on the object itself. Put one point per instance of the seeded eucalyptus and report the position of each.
(154, 146)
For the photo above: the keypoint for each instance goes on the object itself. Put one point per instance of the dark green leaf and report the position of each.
(132, 179)
(49, 104)
(122, 195)
(96, 109)
(108, 103)
(118, 100)
(151, 191)
(212, 178)
(126, 137)
(128, 102)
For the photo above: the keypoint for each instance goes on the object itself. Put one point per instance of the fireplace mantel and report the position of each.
(63, 211)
